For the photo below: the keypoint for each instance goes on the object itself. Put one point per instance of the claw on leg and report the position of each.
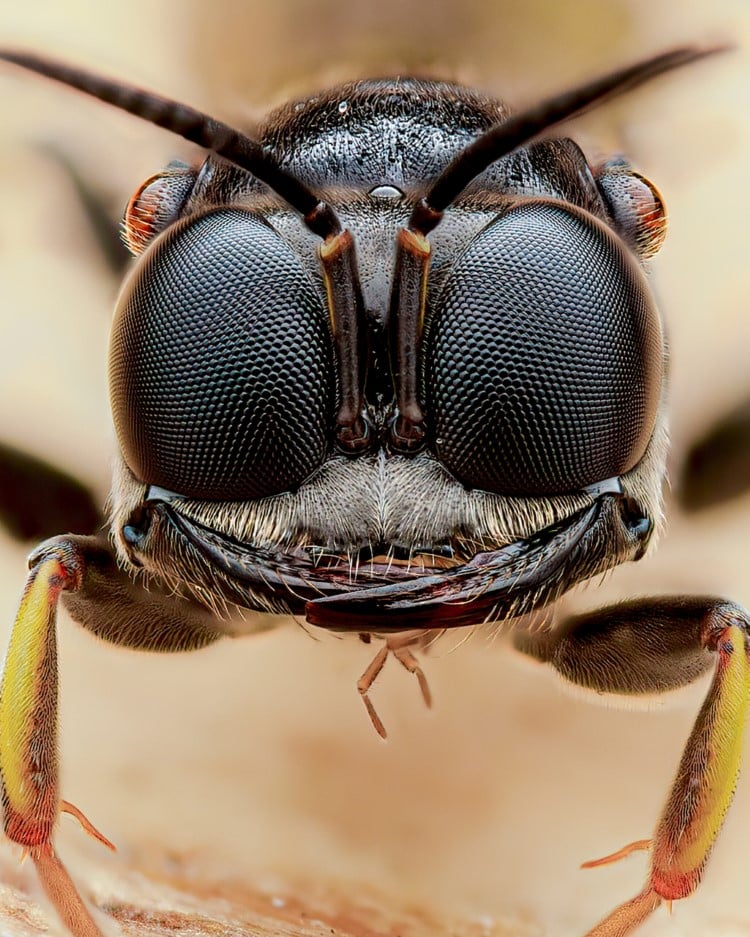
(86, 824)
(616, 856)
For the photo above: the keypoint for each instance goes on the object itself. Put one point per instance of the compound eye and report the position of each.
(156, 204)
(221, 363)
(544, 356)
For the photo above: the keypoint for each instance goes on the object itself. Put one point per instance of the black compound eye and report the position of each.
(221, 363)
(543, 357)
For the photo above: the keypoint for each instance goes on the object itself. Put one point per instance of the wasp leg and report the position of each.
(109, 603)
(104, 599)
(37, 499)
(657, 645)
(28, 734)
(717, 465)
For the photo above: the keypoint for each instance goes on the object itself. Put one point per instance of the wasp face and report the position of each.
(395, 367)
(537, 362)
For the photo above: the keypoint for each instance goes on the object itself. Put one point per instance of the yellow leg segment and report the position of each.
(703, 788)
(28, 734)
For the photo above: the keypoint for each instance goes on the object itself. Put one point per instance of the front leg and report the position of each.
(655, 645)
(109, 603)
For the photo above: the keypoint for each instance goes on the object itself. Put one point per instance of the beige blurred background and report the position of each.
(249, 773)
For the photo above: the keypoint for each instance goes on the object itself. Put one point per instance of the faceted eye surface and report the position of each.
(221, 364)
(543, 356)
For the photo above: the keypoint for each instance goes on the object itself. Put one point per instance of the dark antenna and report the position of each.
(220, 138)
(408, 295)
(337, 253)
(520, 129)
